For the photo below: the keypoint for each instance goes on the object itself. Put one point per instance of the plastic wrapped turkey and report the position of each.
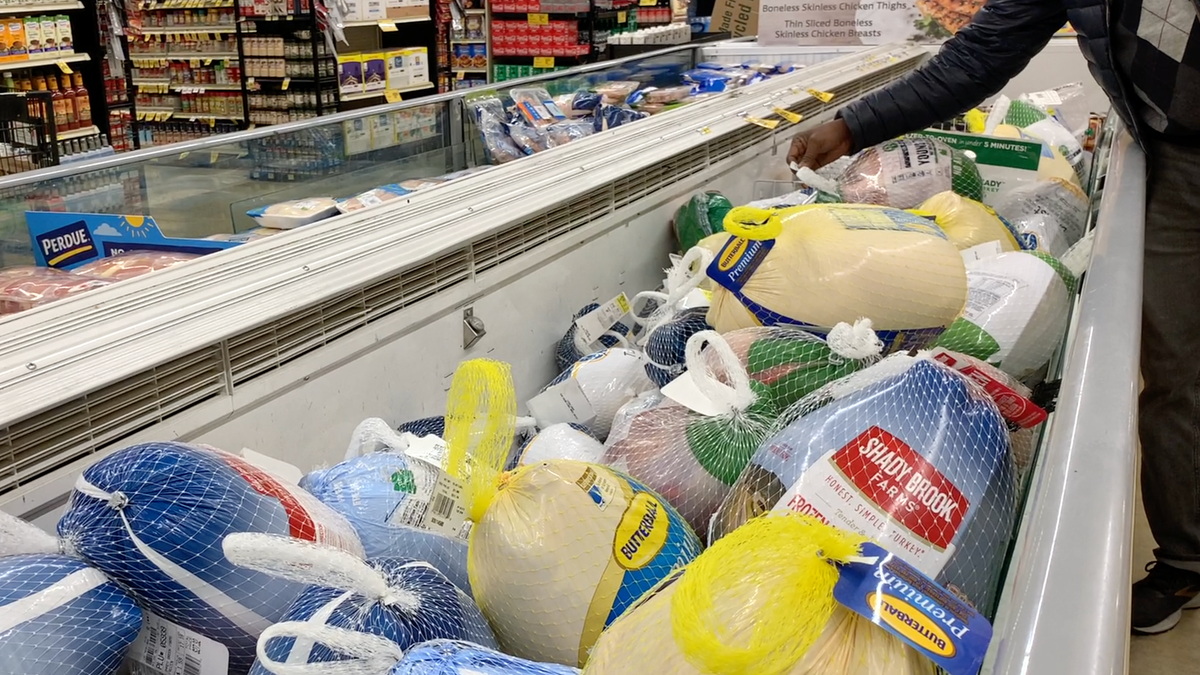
(968, 222)
(451, 657)
(679, 313)
(819, 265)
(1051, 215)
(401, 600)
(904, 172)
(573, 346)
(692, 444)
(595, 386)
(759, 601)
(908, 452)
(153, 516)
(1016, 313)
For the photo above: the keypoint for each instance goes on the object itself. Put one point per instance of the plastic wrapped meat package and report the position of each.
(153, 516)
(759, 601)
(390, 603)
(530, 139)
(690, 446)
(606, 380)
(449, 657)
(910, 453)
(1050, 215)
(702, 215)
(904, 172)
(493, 128)
(572, 346)
(536, 106)
(130, 265)
(22, 288)
(820, 265)
(1063, 156)
(62, 616)
(286, 215)
(969, 223)
(679, 314)
(561, 133)
(372, 198)
(616, 93)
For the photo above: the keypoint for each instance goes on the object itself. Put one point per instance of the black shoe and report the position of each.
(1160, 598)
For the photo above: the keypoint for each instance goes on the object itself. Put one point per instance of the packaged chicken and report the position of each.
(616, 93)
(129, 265)
(373, 197)
(22, 288)
(286, 215)
(537, 106)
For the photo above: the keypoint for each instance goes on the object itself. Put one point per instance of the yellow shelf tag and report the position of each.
(183, 155)
(621, 16)
(195, 63)
(647, 3)
(393, 96)
(208, 62)
(823, 96)
(286, 82)
(788, 115)
(543, 62)
(766, 124)
(62, 65)
(387, 26)
(539, 19)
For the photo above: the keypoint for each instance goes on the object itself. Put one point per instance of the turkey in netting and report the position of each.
(820, 265)
(908, 452)
(904, 172)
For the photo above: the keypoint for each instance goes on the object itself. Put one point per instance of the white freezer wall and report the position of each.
(407, 378)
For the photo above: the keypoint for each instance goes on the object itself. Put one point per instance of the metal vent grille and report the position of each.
(38, 445)
(272, 346)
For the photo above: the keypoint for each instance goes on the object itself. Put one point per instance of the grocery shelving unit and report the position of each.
(411, 27)
(288, 72)
(530, 37)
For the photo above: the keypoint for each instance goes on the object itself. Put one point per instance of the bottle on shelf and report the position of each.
(9, 83)
(69, 100)
(83, 103)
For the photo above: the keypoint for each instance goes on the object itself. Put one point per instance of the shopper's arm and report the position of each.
(973, 65)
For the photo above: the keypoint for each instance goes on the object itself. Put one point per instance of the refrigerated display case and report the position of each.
(283, 345)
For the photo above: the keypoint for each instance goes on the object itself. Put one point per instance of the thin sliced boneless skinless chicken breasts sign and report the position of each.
(861, 22)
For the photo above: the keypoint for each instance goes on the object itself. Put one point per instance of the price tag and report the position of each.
(647, 3)
(212, 157)
(183, 155)
(387, 26)
(164, 648)
(592, 326)
(788, 115)
(392, 96)
(286, 82)
(543, 62)
(460, 75)
(562, 402)
(539, 19)
(822, 96)
(766, 124)
(62, 65)
(208, 62)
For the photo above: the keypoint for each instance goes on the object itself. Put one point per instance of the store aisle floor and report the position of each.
(1176, 652)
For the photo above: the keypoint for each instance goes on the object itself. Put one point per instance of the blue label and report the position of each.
(66, 246)
(895, 596)
(737, 261)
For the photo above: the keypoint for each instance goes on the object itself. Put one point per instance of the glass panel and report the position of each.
(204, 188)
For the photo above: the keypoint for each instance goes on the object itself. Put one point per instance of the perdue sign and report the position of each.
(736, 17)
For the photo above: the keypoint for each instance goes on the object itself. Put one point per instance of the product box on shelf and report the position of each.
(350, 74)
(48, 26)
(404, 9)
(356, 135)
(33, 35)
(355, 10)
(17, 46)
(374, 72)
(66, 42)
(407, 67)
(67, 240)
(383, 131)
(374, 10)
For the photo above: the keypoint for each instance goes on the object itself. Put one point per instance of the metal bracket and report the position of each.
(473, 328)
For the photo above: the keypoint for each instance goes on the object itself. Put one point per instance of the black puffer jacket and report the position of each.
(980, 60)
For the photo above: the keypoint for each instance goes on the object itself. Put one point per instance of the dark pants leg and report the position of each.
(1170, 402)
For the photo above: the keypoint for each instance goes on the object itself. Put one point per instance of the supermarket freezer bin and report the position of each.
(266, 350)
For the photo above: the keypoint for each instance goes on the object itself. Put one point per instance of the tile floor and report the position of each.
(1175, 652)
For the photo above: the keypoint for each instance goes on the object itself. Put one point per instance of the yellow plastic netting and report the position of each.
(481, 411)
(759, 602)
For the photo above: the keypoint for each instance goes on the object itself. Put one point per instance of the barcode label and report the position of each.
(447, 508)
(442, 506)
(596, 322)
(166, 648)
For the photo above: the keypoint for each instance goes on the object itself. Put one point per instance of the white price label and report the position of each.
(1045, 98)
(982, 251)
(164, 648)
(562, 402)
(447, 509)
(430, 448)
(684, 391)
(594, 324)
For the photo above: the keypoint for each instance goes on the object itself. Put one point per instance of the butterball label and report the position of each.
(642, 532)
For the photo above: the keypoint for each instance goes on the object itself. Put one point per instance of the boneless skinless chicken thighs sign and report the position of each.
(861, 22)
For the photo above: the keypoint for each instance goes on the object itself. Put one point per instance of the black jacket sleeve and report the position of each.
(973, 65)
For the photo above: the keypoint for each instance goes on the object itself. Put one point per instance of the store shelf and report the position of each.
(189, 30)
(151, 83)
(380, 94)
(468, 42)
(26, 9)
(376, 22)
(78, 133)
(185, 4)
(207, 87)
(207, 116)
(47, 61)
(200, 57)
(478, 12)
(483, 71)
